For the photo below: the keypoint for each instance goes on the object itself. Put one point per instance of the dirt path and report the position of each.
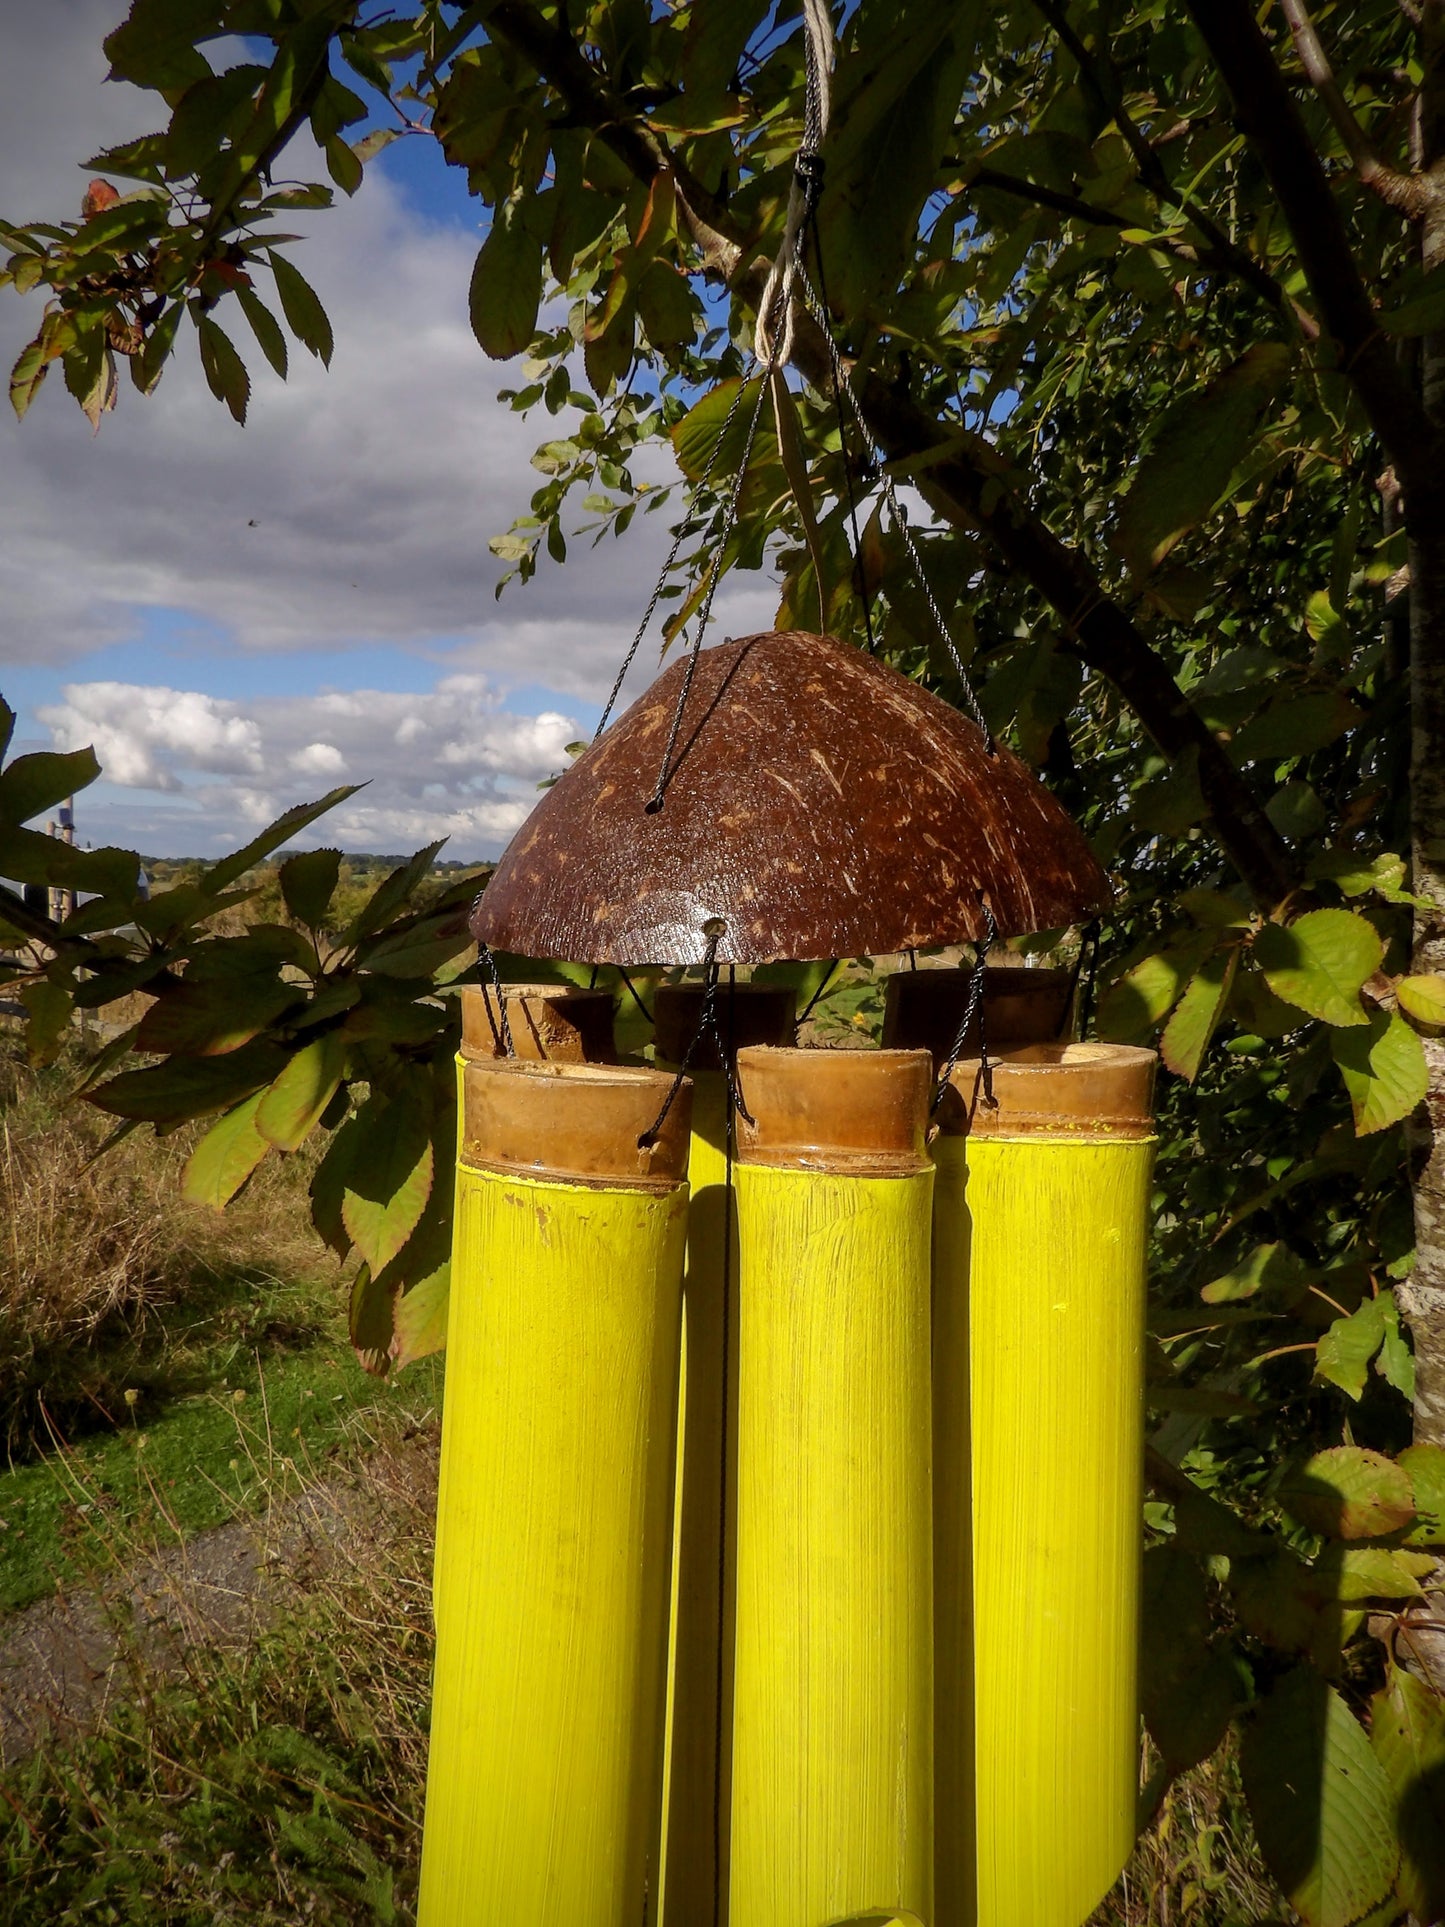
(62, 1660)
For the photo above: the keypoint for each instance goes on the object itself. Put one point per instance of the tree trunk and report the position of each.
(1424, 1296)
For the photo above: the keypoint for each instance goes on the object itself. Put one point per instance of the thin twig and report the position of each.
(1412, 194)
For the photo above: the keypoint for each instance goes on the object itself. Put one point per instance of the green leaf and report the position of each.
(221, 875)
(224, 369)
(208, 1019)
(266, 329)
(155, 45)
(389, 1181)
(33, 784)
(1344, 1351)
(391, 894)
(302, 1091)
(371, 1322)
(506, 289)
(1423, 997)
(32, 365)
(1384, 1070)
(1201, 441)
(1187, 1034)
(1349, 1492)
(1424, 1465)
(1321, 1804)
(1320, 962)
(1134, 1006)
(304, 313)
(343, 164)
(418, 952)
(1297, 726)
(226, 1156)
(1354, 1574)
(1271, 1265)
(49, 1008)
(1188, 1690)
(1407, 1733)
(308, 882)
(419, 1317)
(1396, 1362)
(187, 1087)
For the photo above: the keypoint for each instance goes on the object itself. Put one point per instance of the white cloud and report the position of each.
(354, 507)
(452, 761)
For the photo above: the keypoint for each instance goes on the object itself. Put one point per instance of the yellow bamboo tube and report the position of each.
(1041, 1215)
(696, 1794)
(832, 1807)
(544, 1778)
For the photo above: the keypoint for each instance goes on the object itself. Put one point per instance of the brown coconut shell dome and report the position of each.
(817, 804)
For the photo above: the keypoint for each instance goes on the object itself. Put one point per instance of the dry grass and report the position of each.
(95, 1251)
(1197, 1864)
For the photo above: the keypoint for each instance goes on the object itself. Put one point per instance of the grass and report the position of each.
(153, 1354)
(277, 1783)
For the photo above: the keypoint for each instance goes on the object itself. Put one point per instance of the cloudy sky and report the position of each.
(240, 618)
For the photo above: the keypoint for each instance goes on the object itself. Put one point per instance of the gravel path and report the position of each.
(62, 1660)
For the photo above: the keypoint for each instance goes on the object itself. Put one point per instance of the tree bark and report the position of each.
(1424, 1294)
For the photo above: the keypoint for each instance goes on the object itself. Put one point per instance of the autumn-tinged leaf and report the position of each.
(371, 1322)
(186, 1087)
(1349, 1492)
(1320, 963)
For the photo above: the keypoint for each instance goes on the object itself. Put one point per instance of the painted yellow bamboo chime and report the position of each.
(788, 1527)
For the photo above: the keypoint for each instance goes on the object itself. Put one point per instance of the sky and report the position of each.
(240, 619)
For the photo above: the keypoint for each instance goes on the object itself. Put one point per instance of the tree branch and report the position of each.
(1218, 251)
(967, 492)
(1267, 113)
(1410, 193)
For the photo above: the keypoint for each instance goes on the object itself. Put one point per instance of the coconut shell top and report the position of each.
(818, 804)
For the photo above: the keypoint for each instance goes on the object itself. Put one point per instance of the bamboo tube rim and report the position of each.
(859, 1113)
(922, 1009)
(1088, 1090)
(747, 1014)
(554, 1023)
(575, 1123)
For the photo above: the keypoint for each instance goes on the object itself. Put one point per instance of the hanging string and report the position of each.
(730, 1139)
(1090, 942)
(707, 1026)
(878, 460)
(632, 992)
(667, 567)
(860, 573)
(504, 1037)
(972, 1008)
(729, 522)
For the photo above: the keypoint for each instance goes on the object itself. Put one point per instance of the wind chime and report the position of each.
(787, 1543)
